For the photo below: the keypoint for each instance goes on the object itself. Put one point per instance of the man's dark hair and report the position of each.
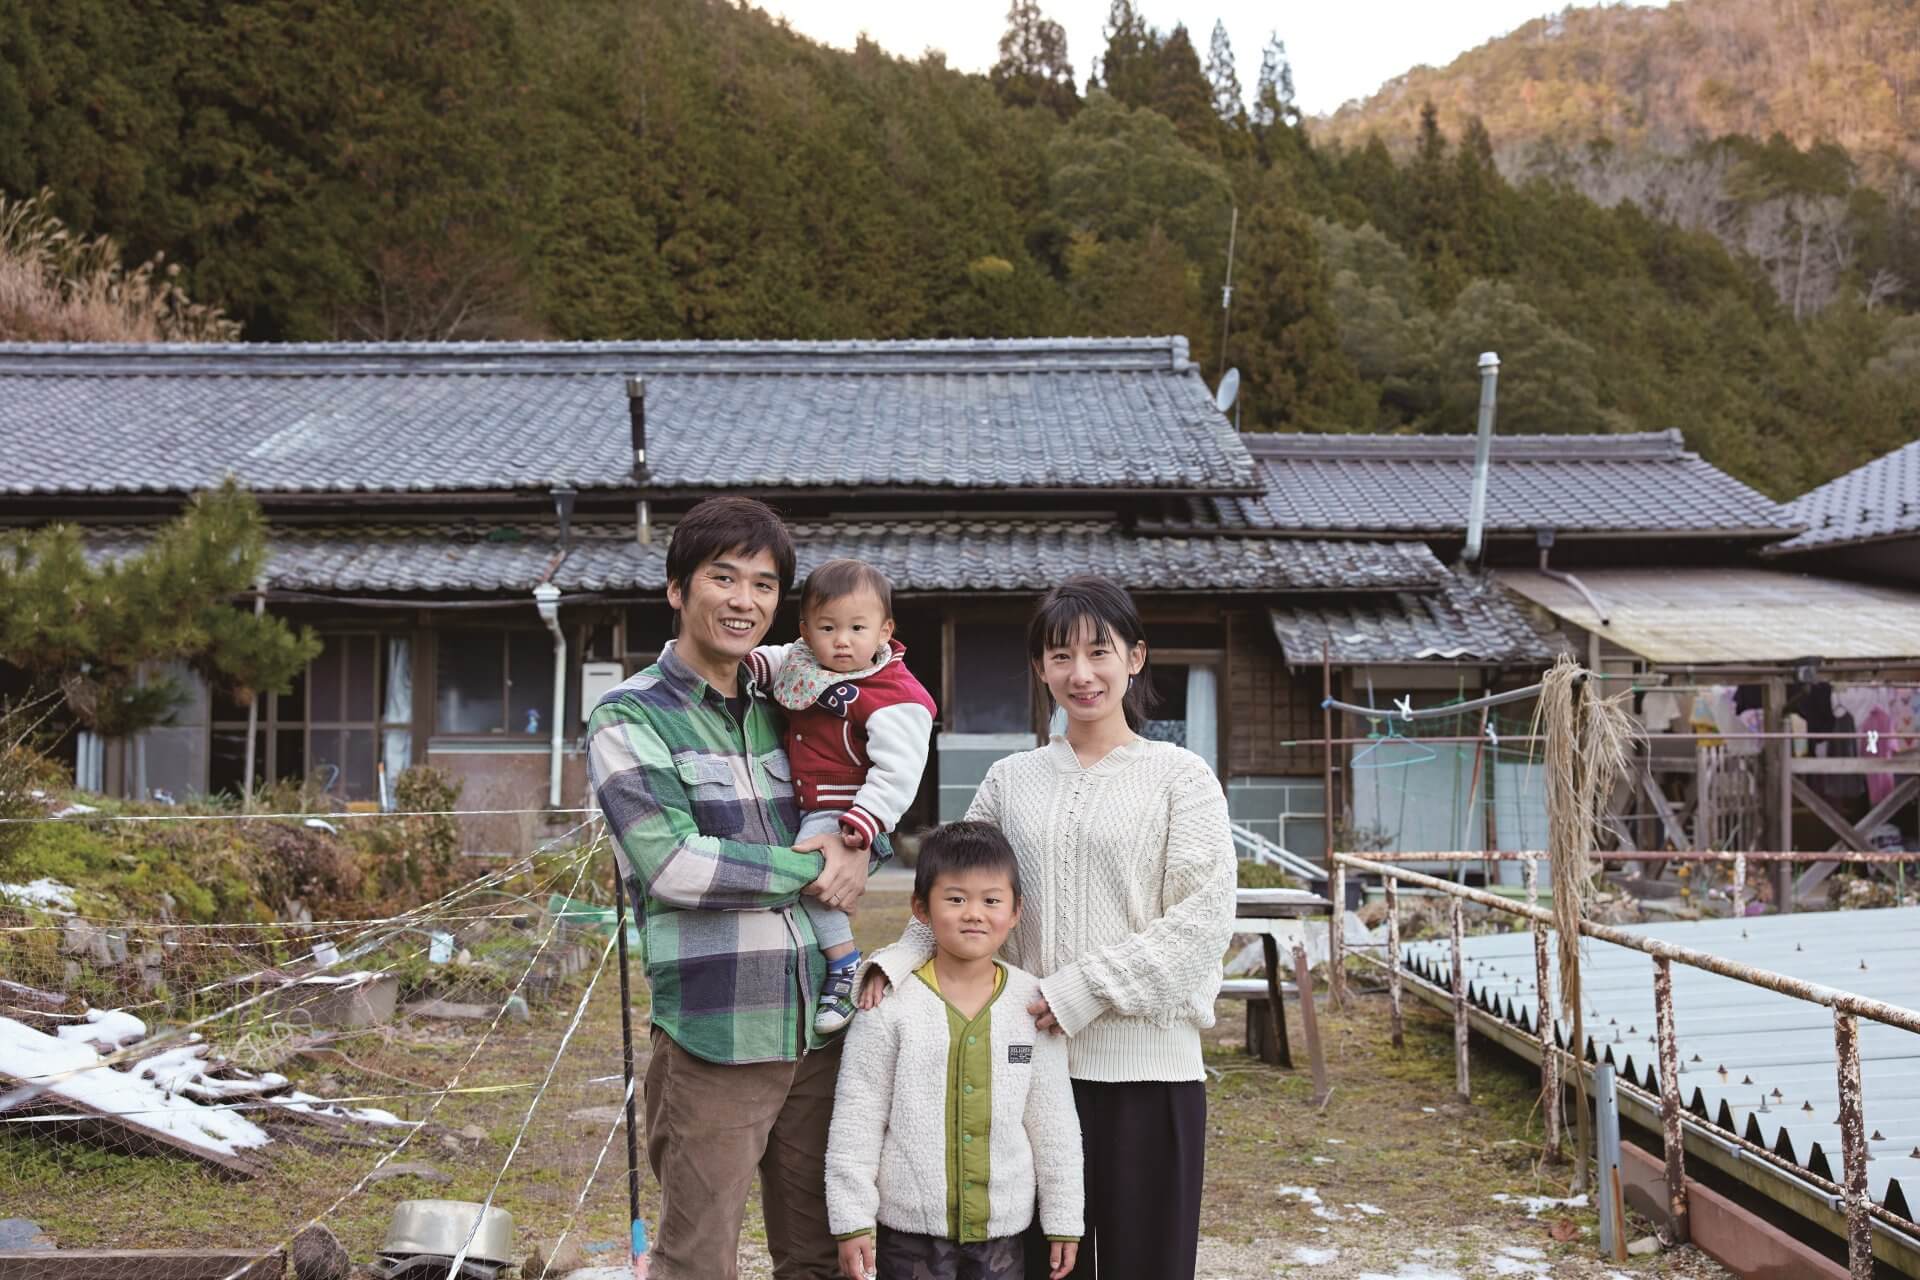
(963, 846)
(837, 579)
(1101, 606)
(716, 526)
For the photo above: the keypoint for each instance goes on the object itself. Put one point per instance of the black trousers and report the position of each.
(1146, 1147)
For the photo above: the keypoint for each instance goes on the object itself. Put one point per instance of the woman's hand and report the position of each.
(874, 989)
(1043, 1018)
(1060, 1257)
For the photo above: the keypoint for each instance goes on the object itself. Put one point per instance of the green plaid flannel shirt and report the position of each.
(703, 816)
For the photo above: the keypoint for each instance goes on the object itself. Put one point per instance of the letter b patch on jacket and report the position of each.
(1019, 1053)
(839, 698)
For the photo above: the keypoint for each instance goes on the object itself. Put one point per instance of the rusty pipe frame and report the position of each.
(1737, 857)
(1815, 992)
(1549, 1047)
(1853, 1147)
(1457, 925)
(1671, 1143)
(1833, 1192)
(1398, 1021)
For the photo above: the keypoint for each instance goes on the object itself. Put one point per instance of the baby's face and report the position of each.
(847, 634)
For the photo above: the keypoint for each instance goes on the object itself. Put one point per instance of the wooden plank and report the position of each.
(1856, 764)
(146, 1264)
(123, 1133)
(1817, 803)
(1676, 830)
(1901, 795)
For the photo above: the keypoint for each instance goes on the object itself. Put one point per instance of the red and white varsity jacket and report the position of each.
(857, 742)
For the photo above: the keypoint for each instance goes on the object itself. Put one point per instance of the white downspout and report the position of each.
(546, 599)
(1482, 455)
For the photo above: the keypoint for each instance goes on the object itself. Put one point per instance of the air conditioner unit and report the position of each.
(596, 679)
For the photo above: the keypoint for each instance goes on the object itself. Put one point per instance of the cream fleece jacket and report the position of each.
(891, 1150)
(1128, 870)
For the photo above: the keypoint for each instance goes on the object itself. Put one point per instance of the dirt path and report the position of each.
(1394, 1181)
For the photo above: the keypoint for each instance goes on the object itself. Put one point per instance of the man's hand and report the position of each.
(856, 1258)
(873, 990)
(1043, 1018)
(844, 878)
(1060, 1257)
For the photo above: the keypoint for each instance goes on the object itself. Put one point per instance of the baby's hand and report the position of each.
(1060, 1257)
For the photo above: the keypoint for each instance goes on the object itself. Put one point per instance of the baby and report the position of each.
(858, 725)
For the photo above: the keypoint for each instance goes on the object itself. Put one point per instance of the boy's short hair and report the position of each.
(716, 526)
(837, 579)
(963, 846)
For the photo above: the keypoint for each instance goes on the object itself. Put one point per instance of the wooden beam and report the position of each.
(123, 1133)
(1777, 791)
(1909, 764)
(1888, 806)
(1676, 830)
(147, 1264)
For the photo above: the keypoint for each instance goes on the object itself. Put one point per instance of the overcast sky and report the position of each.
(1338, 51)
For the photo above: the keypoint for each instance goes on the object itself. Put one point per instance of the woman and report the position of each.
(1129, 869)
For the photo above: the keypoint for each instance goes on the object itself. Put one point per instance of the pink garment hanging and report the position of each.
(1879, 785)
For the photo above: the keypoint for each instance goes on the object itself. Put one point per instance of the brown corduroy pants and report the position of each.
(710, 1128)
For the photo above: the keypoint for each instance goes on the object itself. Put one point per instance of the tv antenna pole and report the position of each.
(1226, 292)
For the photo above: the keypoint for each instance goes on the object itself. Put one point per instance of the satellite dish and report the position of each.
(1229, 388)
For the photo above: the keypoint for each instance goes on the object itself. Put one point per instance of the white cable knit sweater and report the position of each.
(1128, 871)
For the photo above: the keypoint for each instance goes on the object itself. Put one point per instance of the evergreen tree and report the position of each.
(91, 631)
(1221, 77)
(1296, 376)
(1034, 70)
(1273, 94)
(1127, 68)
(1181, 92)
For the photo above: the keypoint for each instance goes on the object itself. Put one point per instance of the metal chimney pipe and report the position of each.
(637, 417)
(1482, 455)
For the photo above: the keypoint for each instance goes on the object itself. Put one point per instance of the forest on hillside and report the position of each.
(433, 169)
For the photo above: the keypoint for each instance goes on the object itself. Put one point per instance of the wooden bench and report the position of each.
(1259, 1018)
(1259, 911)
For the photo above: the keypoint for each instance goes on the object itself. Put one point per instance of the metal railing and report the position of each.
(1848, 1007)
(1255, 847)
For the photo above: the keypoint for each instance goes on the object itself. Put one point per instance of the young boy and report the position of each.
(954, 1109)
(858, 724)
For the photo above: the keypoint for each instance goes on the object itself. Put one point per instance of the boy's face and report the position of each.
(847, 634)
(970, 912)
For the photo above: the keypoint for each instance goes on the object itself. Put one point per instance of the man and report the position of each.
(687, 766)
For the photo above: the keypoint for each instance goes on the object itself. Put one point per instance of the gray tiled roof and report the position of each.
(1641, 483)
(1468, 619)
(1879, 500)
(975, 556)
(1096, 414)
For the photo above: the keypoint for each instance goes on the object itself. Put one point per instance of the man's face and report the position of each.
(727, 606)
(970, 912)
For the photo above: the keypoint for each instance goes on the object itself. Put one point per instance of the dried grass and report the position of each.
(1588, 739)
(56, 286)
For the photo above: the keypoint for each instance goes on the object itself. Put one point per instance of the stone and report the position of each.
(598, 1115)
(318, 1255)
(19, 1233)
(453, 1144)
(410, 1169)
(474, 1133)
(1644, 1246)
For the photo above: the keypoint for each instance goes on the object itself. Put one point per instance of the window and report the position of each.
(990, 683)
(331, 725)
(494, 680)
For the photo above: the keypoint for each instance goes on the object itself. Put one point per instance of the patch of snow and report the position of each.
(1525, 1253)
(1310, 1196)
(1432, 1111)
(307, 1102)
(321, 824)
(74, 810)
(1336, 1142)
(1368, 1210)
(39, 893)
(1410, 1271)
(1536, 1205)
(105, 1029)
(29, 1056)
(1307, 1255)
(1515, 1262)
(1323, 1159)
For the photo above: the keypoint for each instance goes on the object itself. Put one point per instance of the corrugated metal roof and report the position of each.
(1753, 1061)
(932, 556)
(1421, 485)
(1878, 500)
(1076, 413)
(1730, 615)
(1468, 619)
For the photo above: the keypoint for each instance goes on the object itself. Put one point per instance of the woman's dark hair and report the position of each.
(837, 579)
(963, 846)
(1088, 600)
(719, 525)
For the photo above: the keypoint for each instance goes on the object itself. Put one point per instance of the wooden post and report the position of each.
(1779, 786)
(1336, 873)
(1393, 964)
(1310, 1024)
(1279, 1051)
(1459, 1003)
(1672, 1141)
(1549, 1048)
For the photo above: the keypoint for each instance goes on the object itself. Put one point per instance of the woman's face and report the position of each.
(1088, 675)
